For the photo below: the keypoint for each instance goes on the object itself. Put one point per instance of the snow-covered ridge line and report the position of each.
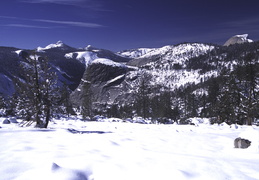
(85, 57)
(194, 49)
(107, 62)
(50, 46)
(135, 53)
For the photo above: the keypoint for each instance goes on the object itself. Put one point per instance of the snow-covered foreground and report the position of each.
(126, 151)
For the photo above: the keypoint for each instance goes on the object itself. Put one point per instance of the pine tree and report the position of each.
(65, 100)
(87, 95)
(37, 90)
(142, 100)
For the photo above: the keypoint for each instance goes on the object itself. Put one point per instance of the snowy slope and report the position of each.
(179, 54)
(162, 69)
(127, 151)
(84, 57)
(59, 44)
(107, 62)
(135, 53)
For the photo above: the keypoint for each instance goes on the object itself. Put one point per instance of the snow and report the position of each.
(50, 46)
(244, 37)
(135, 53)
(85, 57)
(18, 52)
(238, 39)
(177, 78)
(107, 62)
(115, 79)
(127, 151)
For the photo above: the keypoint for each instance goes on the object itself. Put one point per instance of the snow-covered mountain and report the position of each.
(238, 39)
(59, 45)
(175, 54)
(116, 78)
(188, 70)
(88, 54)
(84, 57)
(135, 53)
(68, 62)
(165, 67)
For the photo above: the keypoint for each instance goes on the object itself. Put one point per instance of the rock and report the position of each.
(241, 143)
(238, 39)
(6, 121)
(105, 76)
(13, 120)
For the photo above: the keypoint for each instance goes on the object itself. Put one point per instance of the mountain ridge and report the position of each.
(120, 82)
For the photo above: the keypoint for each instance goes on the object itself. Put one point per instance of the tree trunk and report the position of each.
(47, 117)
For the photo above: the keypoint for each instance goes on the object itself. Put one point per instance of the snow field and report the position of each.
(128, 151)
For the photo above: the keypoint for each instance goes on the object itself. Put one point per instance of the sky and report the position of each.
(119, 25)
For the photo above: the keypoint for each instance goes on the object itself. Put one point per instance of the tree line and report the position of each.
(231, 97)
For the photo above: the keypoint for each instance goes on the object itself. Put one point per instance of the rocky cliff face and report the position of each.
(238, 39)
(106, 77)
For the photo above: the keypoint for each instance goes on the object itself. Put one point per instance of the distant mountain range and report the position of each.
(117, 77)
(68, 62)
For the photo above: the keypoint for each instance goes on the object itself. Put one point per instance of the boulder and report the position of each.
(241, 143)
(6, 121)
(13, 120)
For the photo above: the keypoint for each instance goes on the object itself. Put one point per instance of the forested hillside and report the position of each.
(167, 84)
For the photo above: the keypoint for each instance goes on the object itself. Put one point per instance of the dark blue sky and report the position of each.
(119, 24)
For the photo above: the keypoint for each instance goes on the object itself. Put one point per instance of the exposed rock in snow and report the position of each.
(238, 39)
(6, 121)
(241, 143)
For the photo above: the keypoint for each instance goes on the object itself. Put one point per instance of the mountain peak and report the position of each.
(90, 48)
(58, 44)
(238, 39)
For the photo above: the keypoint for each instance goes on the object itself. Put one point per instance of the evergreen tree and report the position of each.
(37, 90)
(142, 103)
(87, 95)
(65, 101)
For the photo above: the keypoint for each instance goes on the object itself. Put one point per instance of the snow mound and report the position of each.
(196, 121)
